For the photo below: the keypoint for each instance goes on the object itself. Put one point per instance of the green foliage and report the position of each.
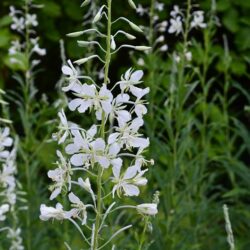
(199, 130)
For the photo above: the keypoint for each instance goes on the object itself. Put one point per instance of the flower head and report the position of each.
(128, 182)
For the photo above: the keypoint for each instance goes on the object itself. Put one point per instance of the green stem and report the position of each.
(143, 234)
(151, 25)
(108, 44)
(27, 123)
(100, 170)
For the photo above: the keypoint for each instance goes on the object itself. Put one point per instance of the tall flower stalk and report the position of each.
(24, 58)
(9, 191)
(110, 154)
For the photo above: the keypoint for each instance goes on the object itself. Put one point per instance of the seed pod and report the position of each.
(75, 34)
(98, 15)
(142, 48)
(132, 4)
(113, 45)
(135, 27)
(86, 2)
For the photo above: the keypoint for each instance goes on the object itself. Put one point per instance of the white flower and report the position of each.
(80, 143)
(7, 178)
(89, 98)
(73, 76)
(15, 47)
(162, 26)
(85, 153)
(61, 176)
(64, 127)
(176, 11)
(176, 58)
(175, 25)
(140, 10)
(3, 210)
(13, 11)
(138, 92)
(198, 20)
(118, 109)
(31, 20)
(16, 240)
(38, 50)
(129, 181)
(140, 110)
(106, 98)
(164, 48)
(57, 213)
(86, 100)
(87, 186)
(18, 24)
(97, 152)
(79, 209)
(160, 39)
(159, 6)
(188, 56)
(141, 62)
(147, 208)
(5, 139)
(127, 134)
(130, 79)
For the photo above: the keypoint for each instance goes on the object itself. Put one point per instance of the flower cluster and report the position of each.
(159, 26)
(110, 153)
(178, 18)
(178, 25)
(24, 24)
(8, 185)
(86, 149)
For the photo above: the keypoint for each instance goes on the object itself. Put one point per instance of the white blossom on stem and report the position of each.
(128, 182)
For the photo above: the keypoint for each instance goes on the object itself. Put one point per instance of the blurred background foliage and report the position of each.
(198, 167)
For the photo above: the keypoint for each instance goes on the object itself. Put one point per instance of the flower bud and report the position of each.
(113, 45)
(142, 48)
(132, 4)
(147, 208)
(98, 15)
(134, 26)
(75, 34)
(86, 2)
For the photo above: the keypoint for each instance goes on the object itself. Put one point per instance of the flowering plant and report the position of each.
(9, 193)
(110, 154)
